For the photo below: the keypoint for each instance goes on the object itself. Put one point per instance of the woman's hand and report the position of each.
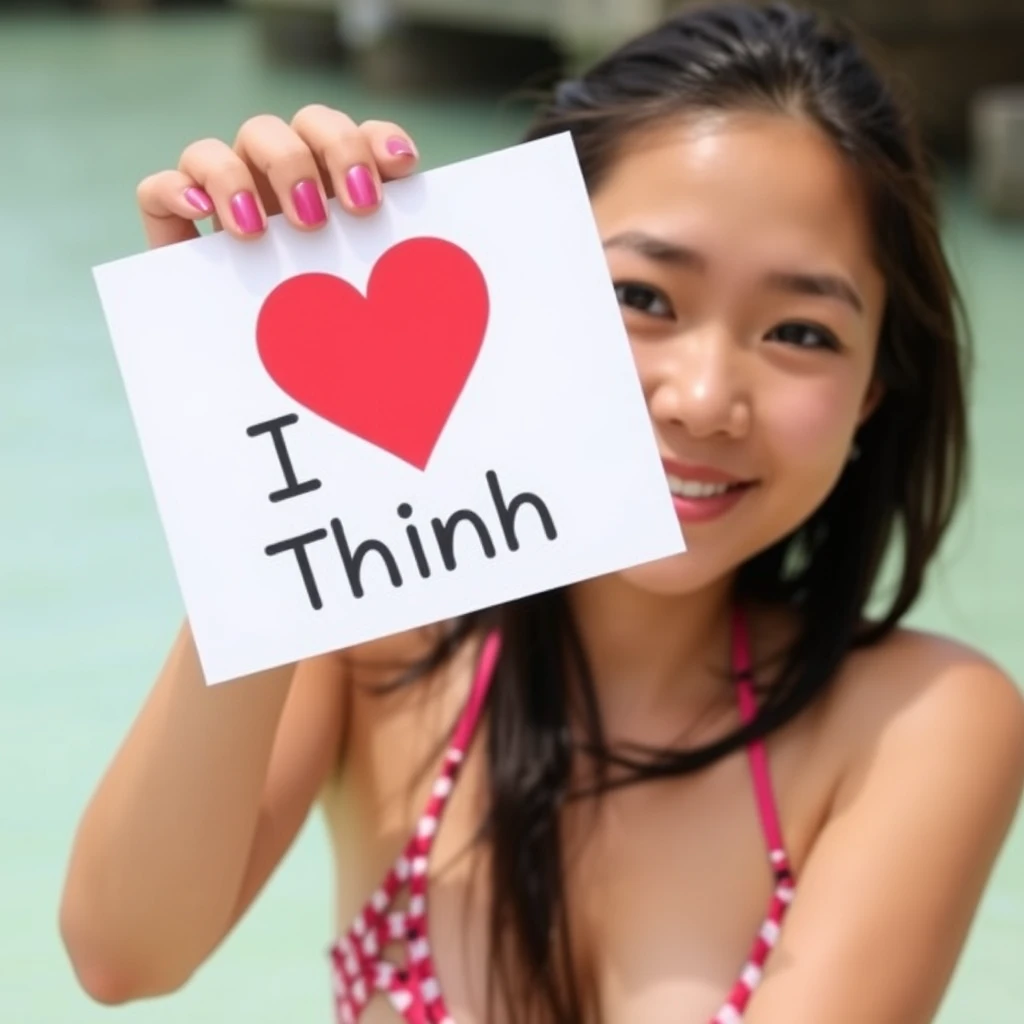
(211, 785)
(276, 167)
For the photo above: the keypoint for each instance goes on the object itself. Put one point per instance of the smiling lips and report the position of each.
(700, 493)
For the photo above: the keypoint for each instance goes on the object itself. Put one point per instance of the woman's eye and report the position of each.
(643, 298)
(805, 335)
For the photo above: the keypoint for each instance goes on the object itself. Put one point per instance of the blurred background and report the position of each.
(95, 94)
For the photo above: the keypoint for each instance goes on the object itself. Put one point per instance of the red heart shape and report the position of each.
(388, 367)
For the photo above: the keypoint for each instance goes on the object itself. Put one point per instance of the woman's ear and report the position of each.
(872, 398)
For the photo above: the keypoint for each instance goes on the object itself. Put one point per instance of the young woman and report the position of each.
(712, 788)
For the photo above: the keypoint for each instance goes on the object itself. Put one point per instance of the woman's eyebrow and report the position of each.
(797, 282)
(655, 248)
(830, 286)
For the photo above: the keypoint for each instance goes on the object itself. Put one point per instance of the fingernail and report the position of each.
(397, 146)
(199, 199)
(246, 213)
(309, 204)
(362, 189)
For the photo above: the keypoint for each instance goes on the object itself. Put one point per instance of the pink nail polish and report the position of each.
(246, 213)
(198, 198)
(362, 189)
(397, 146)
(309, 205)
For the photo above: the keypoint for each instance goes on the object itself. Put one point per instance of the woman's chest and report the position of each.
(665, 887)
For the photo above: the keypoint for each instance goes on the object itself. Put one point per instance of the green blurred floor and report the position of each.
(87, 599)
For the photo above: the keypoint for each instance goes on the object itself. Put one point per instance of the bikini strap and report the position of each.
(481, 684)
(756, 752)
(423, 838)
(411, 867)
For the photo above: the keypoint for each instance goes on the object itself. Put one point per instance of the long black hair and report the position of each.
(896, 500)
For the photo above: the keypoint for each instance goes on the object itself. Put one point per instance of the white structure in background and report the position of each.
(964, 56)
(360, 22)
(997, 124)
(576, 26)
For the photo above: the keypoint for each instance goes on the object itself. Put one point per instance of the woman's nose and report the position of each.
(697, 382)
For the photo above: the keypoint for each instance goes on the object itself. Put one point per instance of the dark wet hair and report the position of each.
(896, 500)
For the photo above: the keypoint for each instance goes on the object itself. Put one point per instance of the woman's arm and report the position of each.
(212, 784)
(201, 802)
(886, 900)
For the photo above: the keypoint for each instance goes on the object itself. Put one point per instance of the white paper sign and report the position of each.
(394, 420)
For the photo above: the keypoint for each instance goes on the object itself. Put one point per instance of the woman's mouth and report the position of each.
(701, 494)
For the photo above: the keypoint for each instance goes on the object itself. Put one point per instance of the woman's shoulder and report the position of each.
(382, 659)
(918, 679)
(915, 756)
(380, 674)
(923, 713)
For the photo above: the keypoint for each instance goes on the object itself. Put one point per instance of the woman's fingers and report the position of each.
(171, 203)
(355, 159)
(344, 154)
(284, 169)
(276, 167)
(226, 178)
(393, 150)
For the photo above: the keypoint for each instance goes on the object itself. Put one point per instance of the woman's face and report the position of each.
(740, 250)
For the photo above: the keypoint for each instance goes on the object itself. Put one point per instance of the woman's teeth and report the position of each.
(697, 488)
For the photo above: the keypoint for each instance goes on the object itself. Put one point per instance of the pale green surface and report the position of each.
(87, 598)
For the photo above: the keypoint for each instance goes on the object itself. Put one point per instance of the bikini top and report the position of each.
(359, 968)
